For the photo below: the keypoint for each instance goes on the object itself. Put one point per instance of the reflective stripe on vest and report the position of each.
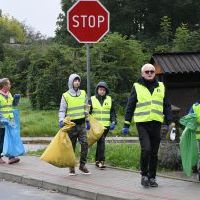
(75, 105)
(149, 106)
(196, 109)
(102, 112)
(6, 106)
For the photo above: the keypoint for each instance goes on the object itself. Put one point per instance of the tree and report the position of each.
(166, 29)
(48, 74)
(10, 27)
(117, 60)
(21, 75)
(194, 41)
(181, 38)
(34, 74)
(1, 52)
(62, 35)
(141, 18)
(165, 35)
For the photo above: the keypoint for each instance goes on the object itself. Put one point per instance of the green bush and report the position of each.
(115, 59)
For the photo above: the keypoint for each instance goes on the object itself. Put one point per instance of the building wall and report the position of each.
(184, 97)
(182, 89)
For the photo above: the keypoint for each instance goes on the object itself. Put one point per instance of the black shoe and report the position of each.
(72, 171)
(152, 182)
(84, 169)
(13, 160)
(145, 181)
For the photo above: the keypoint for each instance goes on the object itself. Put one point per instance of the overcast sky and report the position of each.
(38, 14)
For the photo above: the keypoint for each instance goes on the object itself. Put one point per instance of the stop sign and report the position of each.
(88, 21)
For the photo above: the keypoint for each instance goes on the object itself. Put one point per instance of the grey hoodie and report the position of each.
(70, 85)
(63, 104)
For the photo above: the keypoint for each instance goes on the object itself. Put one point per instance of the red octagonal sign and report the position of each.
(88, 21)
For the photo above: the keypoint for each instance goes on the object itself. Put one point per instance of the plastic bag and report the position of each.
(188, 143)
(12, 145)
(60, 152)
(95, 132)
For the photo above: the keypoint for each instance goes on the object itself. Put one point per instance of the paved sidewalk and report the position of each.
(109, 184)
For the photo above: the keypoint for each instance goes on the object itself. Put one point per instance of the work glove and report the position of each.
(61, 124)
(171, 133)
(87, 125)
(4, 121)
(16, 99)
(125, 131)
(17, 96)
(112, 126)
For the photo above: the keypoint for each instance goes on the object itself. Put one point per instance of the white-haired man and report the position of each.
(149, 107)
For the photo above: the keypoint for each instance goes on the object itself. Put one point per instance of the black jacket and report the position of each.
(113, 116)
(132, 100)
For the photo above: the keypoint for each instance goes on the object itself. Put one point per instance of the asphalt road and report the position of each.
(15, 191)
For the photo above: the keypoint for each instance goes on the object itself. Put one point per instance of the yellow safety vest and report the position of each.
(75, 105)
(149, 106)
(196, 109)
(102, 112)
(6, 106)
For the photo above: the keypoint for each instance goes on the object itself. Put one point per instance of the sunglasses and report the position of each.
(149, 71)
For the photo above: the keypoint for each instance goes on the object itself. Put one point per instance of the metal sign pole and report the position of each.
(88, 70)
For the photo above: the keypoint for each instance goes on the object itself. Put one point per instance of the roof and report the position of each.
(177, 62)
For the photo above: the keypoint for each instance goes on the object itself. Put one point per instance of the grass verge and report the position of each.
(117, 155)
(41, 123)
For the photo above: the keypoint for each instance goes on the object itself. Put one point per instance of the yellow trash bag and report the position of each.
(60, 152)
(95, 132)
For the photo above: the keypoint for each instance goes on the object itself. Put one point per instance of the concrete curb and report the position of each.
(56, 187)
(47, 140)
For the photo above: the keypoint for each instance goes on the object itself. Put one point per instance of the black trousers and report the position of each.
(2, 133)
(149, 136)
(100, 150)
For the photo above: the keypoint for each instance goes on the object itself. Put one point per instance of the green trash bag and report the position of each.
(188, 143)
